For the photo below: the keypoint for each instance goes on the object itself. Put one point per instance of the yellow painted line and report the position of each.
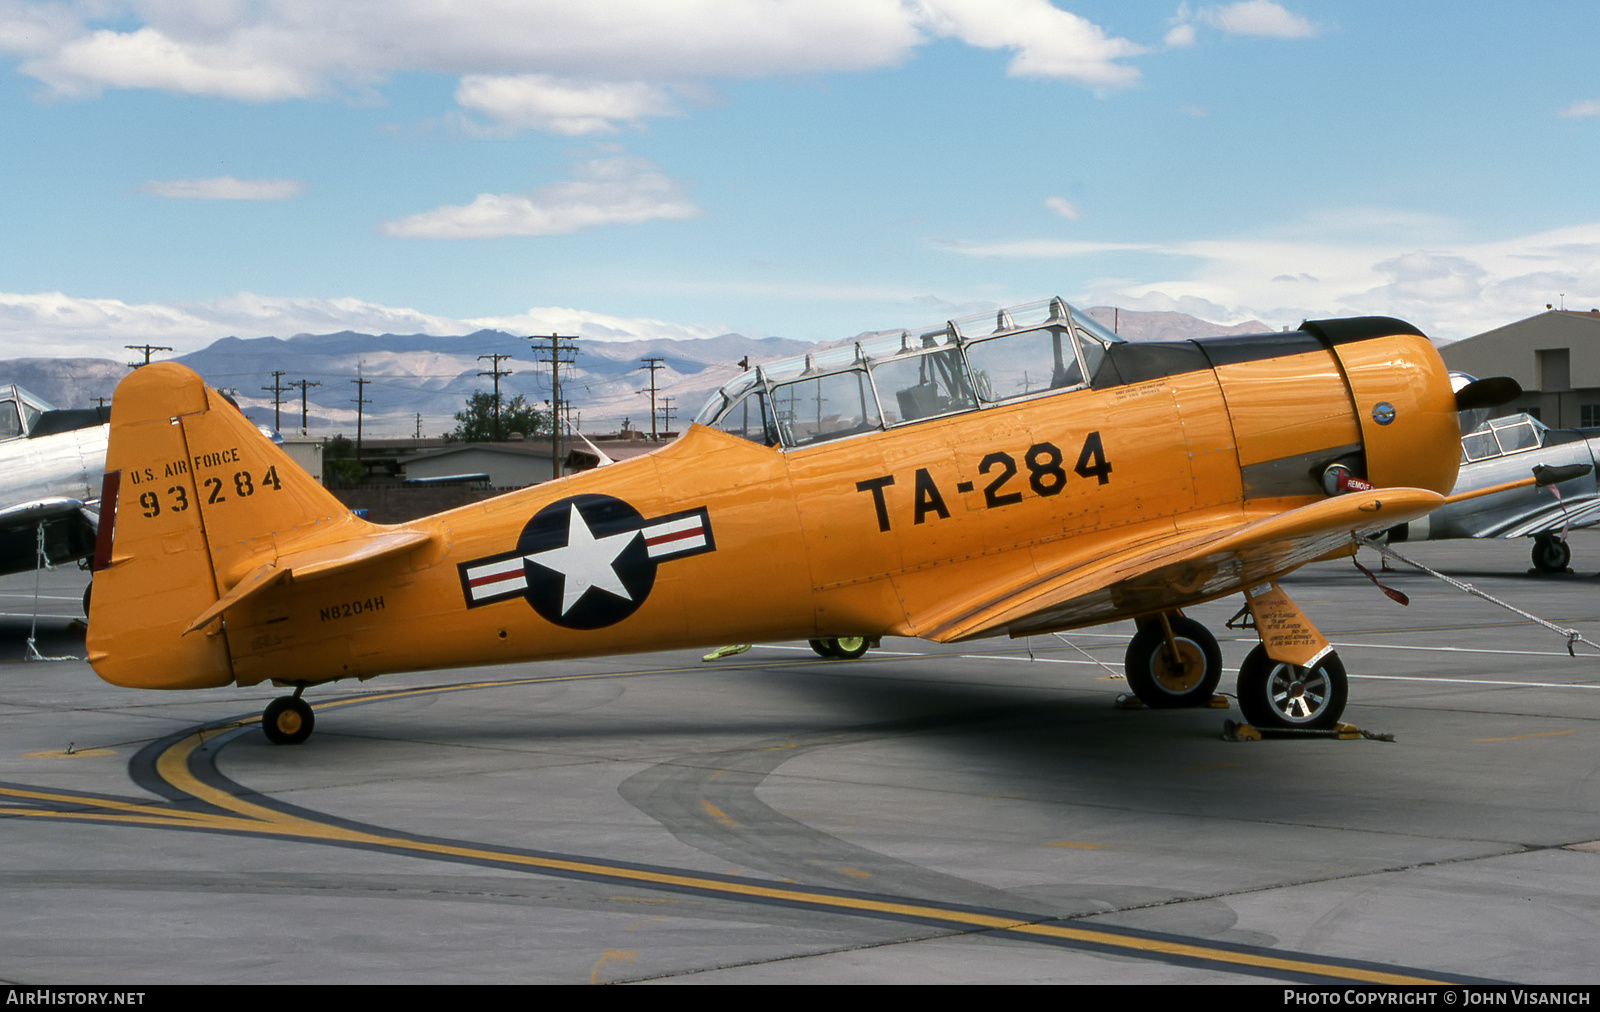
(169, 814)
(1516, 737)
(611, 956)
(293, 826)
(62, 753)
(718, 814)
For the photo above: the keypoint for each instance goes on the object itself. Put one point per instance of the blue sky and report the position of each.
(181, 170)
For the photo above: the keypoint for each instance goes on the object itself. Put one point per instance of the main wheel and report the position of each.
(1157, 680)
(848, 648)
(842, 648)
(287, 720)
(1551, 555)
(1276, 694)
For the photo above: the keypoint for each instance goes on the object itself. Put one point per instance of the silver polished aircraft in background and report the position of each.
(1498, 450)
(51, 463)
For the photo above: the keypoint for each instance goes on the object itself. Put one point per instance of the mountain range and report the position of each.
(416, 382)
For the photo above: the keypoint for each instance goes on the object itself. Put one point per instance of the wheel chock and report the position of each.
(728, 651)
(1235, 731)
(1128, 701)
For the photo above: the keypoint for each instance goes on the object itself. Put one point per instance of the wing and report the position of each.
(1072, 584)
(69, 530)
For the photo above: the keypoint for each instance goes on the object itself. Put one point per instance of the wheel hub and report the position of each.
(1183, 675)
(288, 722)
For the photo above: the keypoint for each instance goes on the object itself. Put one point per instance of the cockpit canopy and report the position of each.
(897, 379)
(1500, 436)
(19, 412)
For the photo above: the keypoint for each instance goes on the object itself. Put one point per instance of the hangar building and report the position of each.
(1554, 355)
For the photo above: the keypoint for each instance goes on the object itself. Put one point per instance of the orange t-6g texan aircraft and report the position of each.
(1016, 473)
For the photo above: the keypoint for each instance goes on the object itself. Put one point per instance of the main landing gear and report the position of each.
(1551, 554)
(288, 720)
(841, 648)
(1279, 695)
(1174, 661)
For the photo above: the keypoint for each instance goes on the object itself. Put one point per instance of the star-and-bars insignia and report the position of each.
(587, 561)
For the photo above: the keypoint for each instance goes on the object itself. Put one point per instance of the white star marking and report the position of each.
(586, 561)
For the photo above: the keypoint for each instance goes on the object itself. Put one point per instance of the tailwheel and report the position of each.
(1276, 694)
(841, 648)
(1551, 554)
(1164, 681)
(287, 720)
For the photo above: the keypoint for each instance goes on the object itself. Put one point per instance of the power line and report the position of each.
(561, 351)
(147, 349)
(276, 389)
(496, 372)
(652, 364)
(359, 401)
(302, 384)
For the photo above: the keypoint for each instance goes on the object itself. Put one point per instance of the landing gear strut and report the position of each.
(1276, 694)
(841, 648)
(1181, 671)
(288, 720)
(1550, 554)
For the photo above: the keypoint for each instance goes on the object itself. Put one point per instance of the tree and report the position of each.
(475, 424)
(340, 468)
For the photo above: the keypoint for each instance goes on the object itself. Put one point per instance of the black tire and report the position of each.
(849, 648)
(287, 721)
(86, 598)
(824, 648)
(1551, 555)
(1152, 675)
(1275, 694)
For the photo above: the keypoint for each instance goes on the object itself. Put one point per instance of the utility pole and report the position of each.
(302, 384)
(419, 425)
(561, 350)
(360, 401)
(147, 349)
(496, 372)
(276, 389)
(652, 364)
(667, 411)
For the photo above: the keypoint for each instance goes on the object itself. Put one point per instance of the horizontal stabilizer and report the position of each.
(313, 563)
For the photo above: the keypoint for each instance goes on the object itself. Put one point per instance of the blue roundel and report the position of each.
(1383, 413)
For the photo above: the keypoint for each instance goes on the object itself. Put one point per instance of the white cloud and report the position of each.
(1063, 207)
(573, 108)
(1257, 17)
(224, 188)
(1405, 265)
(1048, 41)
(147, 58)
(549, 64)
(47, 324)
(1181, 37)
(608, 191)
(1588, 107)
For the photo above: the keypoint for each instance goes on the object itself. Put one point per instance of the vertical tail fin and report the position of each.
(200, 502)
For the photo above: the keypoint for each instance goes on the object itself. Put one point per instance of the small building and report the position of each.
(1554, 355)
(508, 465)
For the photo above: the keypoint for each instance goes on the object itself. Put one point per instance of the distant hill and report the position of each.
(421, 380)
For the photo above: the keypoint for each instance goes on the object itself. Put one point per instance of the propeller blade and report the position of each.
(1488, 393)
